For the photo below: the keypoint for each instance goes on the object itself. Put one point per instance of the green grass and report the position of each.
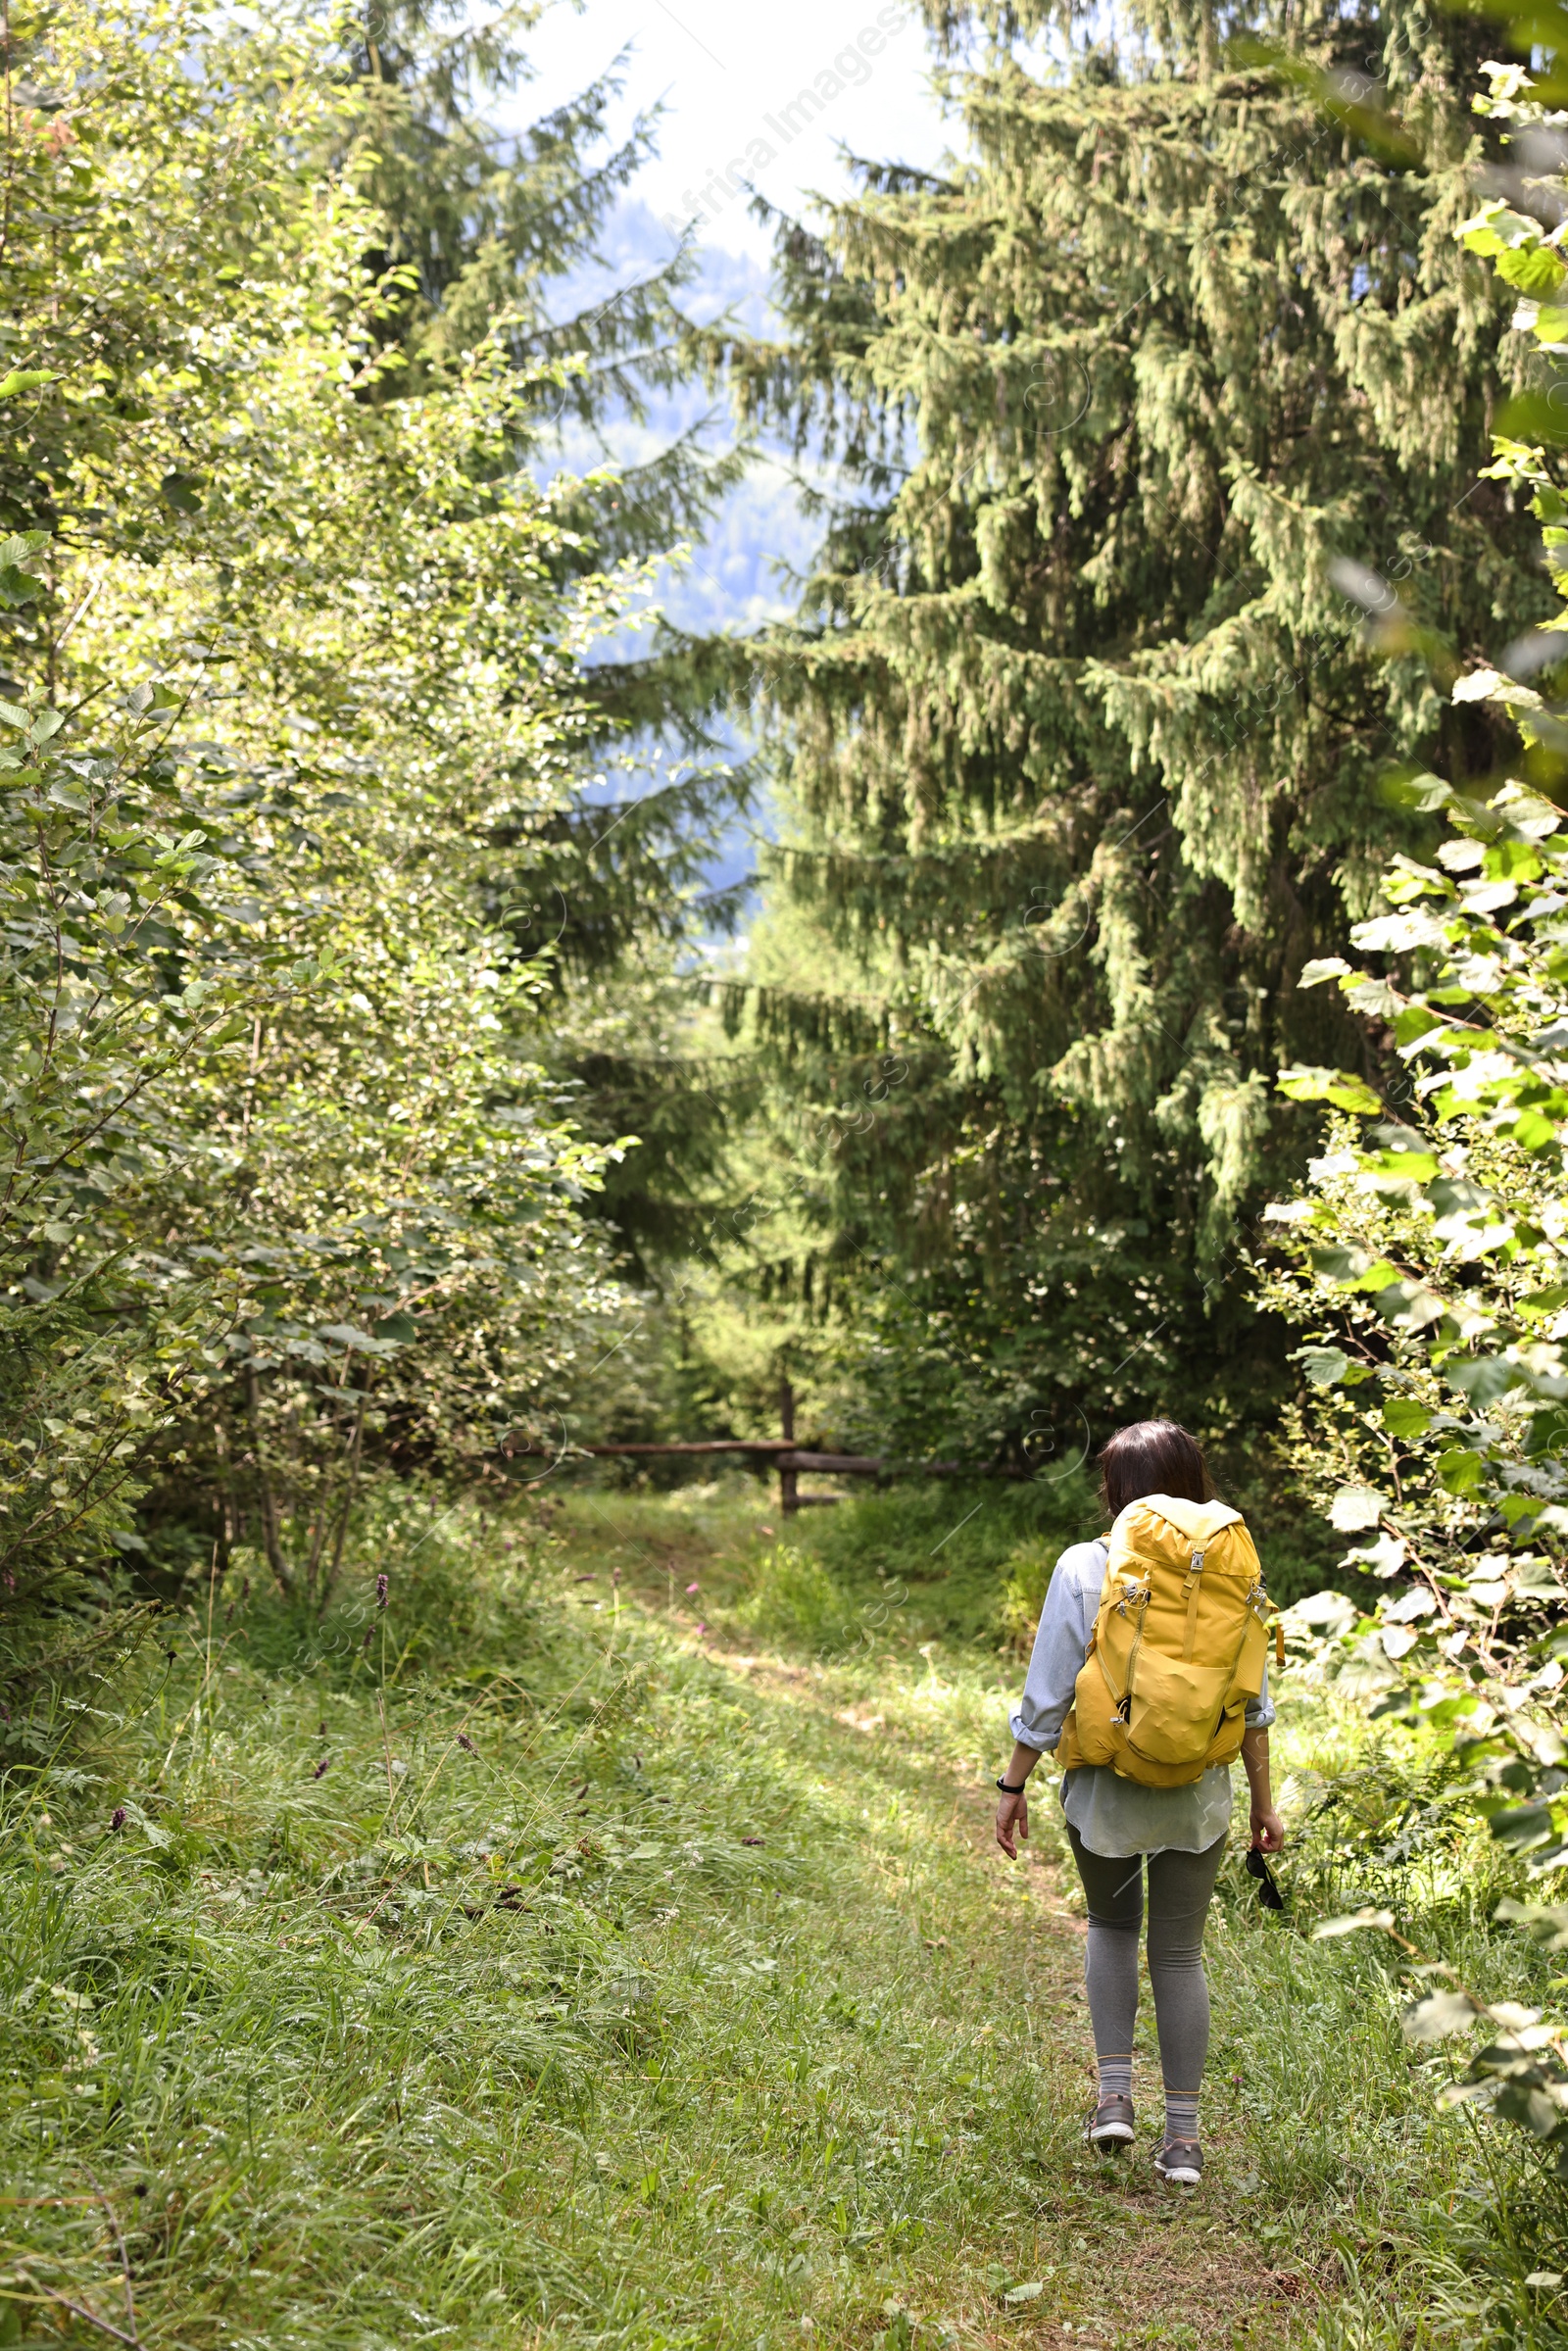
(617, 1984)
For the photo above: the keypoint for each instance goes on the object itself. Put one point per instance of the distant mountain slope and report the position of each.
(739, 574)
(742, 574)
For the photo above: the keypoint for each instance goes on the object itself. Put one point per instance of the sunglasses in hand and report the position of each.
(1268, 1893)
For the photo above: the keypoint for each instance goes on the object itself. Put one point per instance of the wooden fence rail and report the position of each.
(789, 1459)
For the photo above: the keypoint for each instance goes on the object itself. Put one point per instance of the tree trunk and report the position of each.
(271, 1543)
(789, 1500)
(350, 1485)
(224, 1483)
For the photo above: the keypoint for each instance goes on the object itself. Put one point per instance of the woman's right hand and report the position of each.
(1012, 1820)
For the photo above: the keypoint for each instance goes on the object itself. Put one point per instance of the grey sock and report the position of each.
(1116, 2076)
(1181, 2116)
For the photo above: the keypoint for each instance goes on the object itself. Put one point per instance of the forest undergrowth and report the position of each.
(602, 1944)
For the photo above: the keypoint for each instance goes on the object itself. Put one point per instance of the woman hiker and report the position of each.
(1113, 1823)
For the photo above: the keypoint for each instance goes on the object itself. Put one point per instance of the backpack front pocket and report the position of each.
(1174, 1707)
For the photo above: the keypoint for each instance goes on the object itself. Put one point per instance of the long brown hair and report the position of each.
(1151, 1457)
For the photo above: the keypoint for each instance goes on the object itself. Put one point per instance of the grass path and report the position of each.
(530, 1969)
(1000, 2068)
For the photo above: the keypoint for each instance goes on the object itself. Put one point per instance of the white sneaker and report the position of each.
(1110, 2125)
(1180, 2161)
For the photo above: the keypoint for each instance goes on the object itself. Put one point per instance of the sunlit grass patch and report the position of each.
(793, 1598)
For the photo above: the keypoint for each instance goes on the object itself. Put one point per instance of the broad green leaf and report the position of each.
(1529, 270)
(1484, 1379)
(1418, 1167)
(1411, 1306)
(1391, 1135)
(1532, 1132)
(1404, 1417)
(1522, 1827)
(18, 587)
(1438, 2016)
(26, 379)
(1399, 933)
(1461, 1470)
(1341, 1266)
(1354, 1507)
(1374, 1000)
(1337, 1085)
(1546, 1923)
(1533, 416)
(1457, 1196)
(182, 491)
(1497, 228)
(1422, 793)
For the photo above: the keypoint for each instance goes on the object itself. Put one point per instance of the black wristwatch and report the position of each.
(1008, 1789)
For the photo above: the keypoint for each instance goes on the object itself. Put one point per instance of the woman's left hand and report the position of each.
(1268, 1829)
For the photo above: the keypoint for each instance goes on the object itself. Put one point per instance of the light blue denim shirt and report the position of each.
(1113, 1816)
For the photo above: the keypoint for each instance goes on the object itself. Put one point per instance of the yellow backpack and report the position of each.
(1178, 1646)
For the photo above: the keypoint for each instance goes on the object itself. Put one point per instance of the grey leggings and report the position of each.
(1180, 1885)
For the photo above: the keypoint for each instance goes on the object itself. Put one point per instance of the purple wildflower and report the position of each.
(466, 1744)
(380, 1591)
(116, 1819)
(320, 1767)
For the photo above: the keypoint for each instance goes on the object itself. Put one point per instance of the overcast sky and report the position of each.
(732, 78)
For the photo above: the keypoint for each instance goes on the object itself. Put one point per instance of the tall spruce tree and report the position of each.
(1080, 730)
(607, 889)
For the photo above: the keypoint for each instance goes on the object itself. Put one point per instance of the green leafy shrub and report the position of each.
(1425, 1266)
(288, 1195)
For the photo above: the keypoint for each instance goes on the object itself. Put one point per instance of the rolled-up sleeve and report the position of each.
(1061, 1645)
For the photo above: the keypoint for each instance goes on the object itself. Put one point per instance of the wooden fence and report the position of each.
(789, 1459)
